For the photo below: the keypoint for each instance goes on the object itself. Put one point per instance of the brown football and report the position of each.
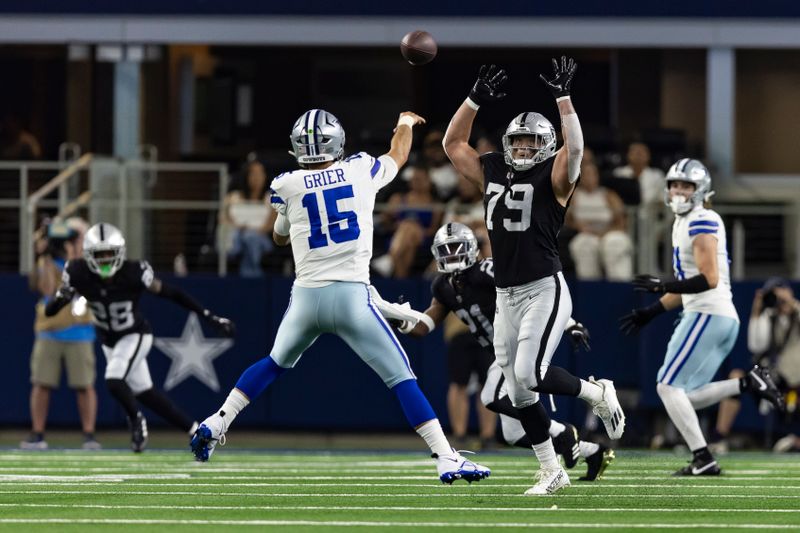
(418, 47)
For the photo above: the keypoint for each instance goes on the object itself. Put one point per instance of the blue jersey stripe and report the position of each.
(375, 168)
(693, 232)
(677, 263)
(703, 223)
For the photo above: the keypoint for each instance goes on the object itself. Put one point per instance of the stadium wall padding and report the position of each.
(331, 389)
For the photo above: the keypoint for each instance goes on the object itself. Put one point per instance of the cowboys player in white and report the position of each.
(527, 189)
(113, 286)
(325, 209)
(709, 323)
(465, 287)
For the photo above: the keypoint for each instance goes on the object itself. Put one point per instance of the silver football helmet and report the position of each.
(534, 125)
(455, 248)
(104, 249)
(317, 137)
(691, 171)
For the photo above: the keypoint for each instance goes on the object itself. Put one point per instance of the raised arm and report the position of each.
(401, 141)
(487, 89)
(567, 166)
(436, 312)
(223, 325)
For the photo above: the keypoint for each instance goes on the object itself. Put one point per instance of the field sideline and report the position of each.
(308, 491)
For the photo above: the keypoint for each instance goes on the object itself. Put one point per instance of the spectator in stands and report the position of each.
(598, 216)
(246, 210)
(442, 173)
(773, 337)
(467, 208)
(651, 180)
(66, 338)
(414, 217)
(17, 144)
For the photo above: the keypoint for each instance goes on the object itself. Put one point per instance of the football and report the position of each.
(418, 47)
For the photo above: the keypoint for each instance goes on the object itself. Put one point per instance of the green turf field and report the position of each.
(167, 491)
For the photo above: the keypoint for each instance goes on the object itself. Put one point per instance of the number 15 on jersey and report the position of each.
(341, 226)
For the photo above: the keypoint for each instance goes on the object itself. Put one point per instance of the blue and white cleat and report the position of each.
(454, 466)
(205, 439)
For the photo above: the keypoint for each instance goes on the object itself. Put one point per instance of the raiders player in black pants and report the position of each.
(526, 192)
(466, 288)
(113, 285)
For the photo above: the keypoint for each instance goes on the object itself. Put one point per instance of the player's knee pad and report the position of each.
(491, 388)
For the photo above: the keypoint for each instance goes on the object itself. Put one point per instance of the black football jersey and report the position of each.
(471, 296)
(114, 302)
(523, 217)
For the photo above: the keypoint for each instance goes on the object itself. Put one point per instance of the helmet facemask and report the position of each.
(105, 261)
(455, 248)
(542, 144)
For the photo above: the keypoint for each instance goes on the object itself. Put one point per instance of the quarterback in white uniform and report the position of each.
(325, 210)
(709, 323)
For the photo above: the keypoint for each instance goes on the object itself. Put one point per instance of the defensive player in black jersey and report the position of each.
(466, 288)
(526, 192)
(113, 285)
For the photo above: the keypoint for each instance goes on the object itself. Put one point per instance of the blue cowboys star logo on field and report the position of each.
(192, 355)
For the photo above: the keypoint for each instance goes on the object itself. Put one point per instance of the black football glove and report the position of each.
(638, 318)
(648, 283)
(579, 337)
(222, 325)
(65, 293)
(559, 85)
(488, 87)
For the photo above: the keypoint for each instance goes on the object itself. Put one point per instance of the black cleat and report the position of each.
(699, 467)
(138, 433)
(759, 383)
(566, 445)
(597, 463)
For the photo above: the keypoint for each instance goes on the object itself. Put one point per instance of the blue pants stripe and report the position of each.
(683, 344)
(691, 349)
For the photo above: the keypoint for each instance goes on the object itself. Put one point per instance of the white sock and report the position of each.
(546, 454)
(590, 392)
(556, 428)
(680, 411)
(432, 432)
(235, 402)
(713, 392)
(587, 448)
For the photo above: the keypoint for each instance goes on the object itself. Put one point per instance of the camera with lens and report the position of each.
(770, 298)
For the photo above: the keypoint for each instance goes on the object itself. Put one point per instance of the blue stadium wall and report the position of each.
(330, 389)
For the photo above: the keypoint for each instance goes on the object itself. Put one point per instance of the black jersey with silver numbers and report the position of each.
(471, 296)
(523, 217)
(114, 302)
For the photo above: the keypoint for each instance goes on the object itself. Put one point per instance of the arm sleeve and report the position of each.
(574, 137)
(57, 303)
(758, 333)
(383, 171)
(182, 299)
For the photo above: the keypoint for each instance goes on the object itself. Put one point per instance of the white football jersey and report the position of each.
(330, 214)
(700, 221)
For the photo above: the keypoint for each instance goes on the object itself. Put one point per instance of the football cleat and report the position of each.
(566, 445)
(597, 463)
(90, 443)
(549, 481)
(205, 439)
(454, 466)
(138, 433)
(699, 467)
(608, 409)
(759, 383)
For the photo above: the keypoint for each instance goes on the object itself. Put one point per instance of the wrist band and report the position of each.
(562, 98)
(428, 321)
(472, 104)
(406, 120)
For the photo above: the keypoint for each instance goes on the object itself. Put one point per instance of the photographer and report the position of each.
(773, 337)
(68, 336)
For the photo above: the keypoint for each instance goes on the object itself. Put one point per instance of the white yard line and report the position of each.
(391, 508)
(353, 523)
(206, 493)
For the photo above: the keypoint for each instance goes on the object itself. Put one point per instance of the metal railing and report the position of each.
(125, 193)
